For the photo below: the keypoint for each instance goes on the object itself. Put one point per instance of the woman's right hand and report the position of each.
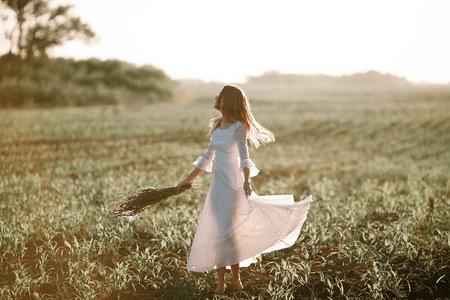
(190, 177)
(181, 183)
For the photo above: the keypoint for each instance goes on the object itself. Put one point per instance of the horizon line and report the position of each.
(247, 77)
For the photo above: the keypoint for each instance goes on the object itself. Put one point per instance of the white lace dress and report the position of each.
(233, 228)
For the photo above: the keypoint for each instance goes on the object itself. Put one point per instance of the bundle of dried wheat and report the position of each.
(135, 203)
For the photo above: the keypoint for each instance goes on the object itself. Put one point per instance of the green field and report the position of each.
(376, 163)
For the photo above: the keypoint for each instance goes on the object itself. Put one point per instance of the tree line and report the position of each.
(29, 77)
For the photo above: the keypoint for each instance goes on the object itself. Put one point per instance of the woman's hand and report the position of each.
(181, 183)
(190, 177)
(247, 188)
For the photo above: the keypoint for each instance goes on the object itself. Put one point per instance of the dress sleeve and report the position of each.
(205, 162)
(246, 162)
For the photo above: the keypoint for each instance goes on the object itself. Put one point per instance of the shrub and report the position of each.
(67, 82)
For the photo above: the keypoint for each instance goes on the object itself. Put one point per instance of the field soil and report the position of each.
(377, 164)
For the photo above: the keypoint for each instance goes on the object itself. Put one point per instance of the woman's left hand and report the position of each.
(247, 189)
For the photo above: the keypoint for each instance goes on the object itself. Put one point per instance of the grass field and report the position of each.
(376, 163)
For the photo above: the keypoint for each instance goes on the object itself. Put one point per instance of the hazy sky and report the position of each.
(229, 40)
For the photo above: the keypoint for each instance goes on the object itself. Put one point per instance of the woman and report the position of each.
(236, 225)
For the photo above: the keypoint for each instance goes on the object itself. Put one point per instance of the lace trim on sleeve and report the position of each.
(246, 162)
(205, 162)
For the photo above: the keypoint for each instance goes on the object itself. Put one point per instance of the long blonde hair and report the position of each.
(236, 107)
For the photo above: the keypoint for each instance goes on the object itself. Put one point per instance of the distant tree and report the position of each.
(34, 26)
(28, 77)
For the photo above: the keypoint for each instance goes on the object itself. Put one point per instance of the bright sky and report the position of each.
(229, 40)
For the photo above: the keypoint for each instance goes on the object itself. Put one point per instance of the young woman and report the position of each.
(236, 225)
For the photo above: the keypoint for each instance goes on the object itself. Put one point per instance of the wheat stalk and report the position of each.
(135, 203)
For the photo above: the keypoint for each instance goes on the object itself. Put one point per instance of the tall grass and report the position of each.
(376, 163)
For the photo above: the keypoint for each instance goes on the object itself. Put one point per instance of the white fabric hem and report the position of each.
(248, 163)
(203, 164)
(287, 239)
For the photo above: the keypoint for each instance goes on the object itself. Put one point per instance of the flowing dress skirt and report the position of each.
(234, 228)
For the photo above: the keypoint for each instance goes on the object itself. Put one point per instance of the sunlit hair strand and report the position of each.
(236, 107)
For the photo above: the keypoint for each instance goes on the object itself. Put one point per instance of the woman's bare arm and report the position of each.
(191, 176)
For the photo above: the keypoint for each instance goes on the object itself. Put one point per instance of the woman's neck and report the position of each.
(227, 120)
(225, 123)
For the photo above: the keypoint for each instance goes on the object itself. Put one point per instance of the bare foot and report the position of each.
(220, 288)
(238, 285)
